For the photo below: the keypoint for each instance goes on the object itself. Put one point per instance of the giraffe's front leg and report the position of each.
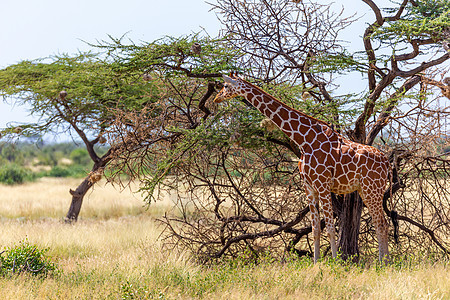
(315, 224)
(315, 220)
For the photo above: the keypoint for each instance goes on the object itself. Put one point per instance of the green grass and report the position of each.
(174, 279)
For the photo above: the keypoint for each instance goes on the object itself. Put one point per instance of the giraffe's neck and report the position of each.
(300, 128)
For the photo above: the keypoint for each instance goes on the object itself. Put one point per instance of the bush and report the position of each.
(76, 171)
(13, 174)
(58, 171)
(25, 258)
(80, 156)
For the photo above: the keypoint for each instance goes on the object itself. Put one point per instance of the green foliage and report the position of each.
(432, 9)
(92, 87)
(10, 153)
(26, 258)
(172, 56)
(58, 171)
(13, 174)
(77, 171)
(97, 85)
(340, 63)
(80, 156)
(426, 20)
(31, 155)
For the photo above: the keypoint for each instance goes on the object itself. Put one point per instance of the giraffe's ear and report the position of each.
(234, 74)
(229, 80)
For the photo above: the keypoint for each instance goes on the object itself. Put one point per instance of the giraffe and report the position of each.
(330, 162)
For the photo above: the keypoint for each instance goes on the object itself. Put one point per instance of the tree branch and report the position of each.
(427, 230)
(376, 10)
(89, 144)
(252, 236)
(423, 66)
(383, 118)
(188, 72)
(202, 102)
(399, 12)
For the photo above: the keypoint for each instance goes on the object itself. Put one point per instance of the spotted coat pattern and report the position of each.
(331, 163)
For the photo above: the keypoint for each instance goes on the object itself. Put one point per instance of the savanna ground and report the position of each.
(113, 252)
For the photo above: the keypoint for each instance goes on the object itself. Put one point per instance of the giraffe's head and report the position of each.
(231, 88)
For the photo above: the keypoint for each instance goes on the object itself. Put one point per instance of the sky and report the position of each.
(31, 29)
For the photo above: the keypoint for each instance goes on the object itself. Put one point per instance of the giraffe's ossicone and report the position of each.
(330, 163)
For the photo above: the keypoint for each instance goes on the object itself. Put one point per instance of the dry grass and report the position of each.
(50, 198)
(114, 252)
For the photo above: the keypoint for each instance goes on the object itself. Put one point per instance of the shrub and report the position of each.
(13, 174)
(25, 258)
(80, 156)
(76, 171)
(58, 171)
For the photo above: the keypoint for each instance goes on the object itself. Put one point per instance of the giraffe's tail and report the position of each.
(391, 213)
(394, 214)
(394, 218)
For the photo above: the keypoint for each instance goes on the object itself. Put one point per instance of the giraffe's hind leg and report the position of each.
(327, 208)
(374, 203)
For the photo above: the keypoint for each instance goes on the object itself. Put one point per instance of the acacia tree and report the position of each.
(70, 94)
(80, 94)
(286, 43)
(242, 189)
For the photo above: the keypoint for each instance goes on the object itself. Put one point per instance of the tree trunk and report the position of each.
(77, 200)
(82, 189)
(349, 218)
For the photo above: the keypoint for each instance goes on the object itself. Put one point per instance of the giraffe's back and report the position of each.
(360, 168)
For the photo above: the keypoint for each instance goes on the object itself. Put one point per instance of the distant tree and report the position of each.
(72, 95)
(10, 153)
(80, 94)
